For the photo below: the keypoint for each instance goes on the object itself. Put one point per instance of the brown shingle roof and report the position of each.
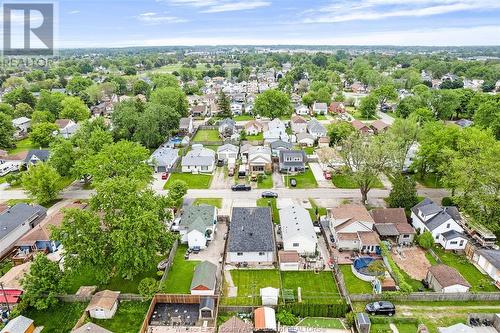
(369, 238)
(447, 276)
(298, 120)
(351, 211)
(103, 300)
(235, 325)
(61, 123)
(379, 125)
(389, 215)
(288, 256)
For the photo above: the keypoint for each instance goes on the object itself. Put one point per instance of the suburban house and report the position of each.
(204, 280)
(278, 146)
(16, 221)
(90, 328)
(305, 139)
(358, 87)
(488, 260)
(186, 125)
(198, 225)
(291, 161)
(352, 228)
(21, 125)
(36, 155)
(378, 126)
(441, 222)
(163, 158)
(337, 107)
(254, 127)
(297, 230)
(446, 279)
(391, 223)
(259, 159)
(102, 109)
(67, 127)
(315, 128)
(320, 108)
(199, 160)
(276, 130)
(19, 324)
(264, 320)
(227, 127)
(302, 110)
(289, 260)
(298, 125)
(199, 110)
(324, 142)
(251, 236)
(103, 304)
(360, 126)
(236, 109)
(227, 152)
(235, 324)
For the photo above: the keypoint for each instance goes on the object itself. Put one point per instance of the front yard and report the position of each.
(193, 181)
(353, 284)
(348, 182)
(128, 317)
(57, 319)
(207, 135)
(181, 273)
(430, 180)
(217, 202)
(304, 180)
(265, 182)
(243, 117)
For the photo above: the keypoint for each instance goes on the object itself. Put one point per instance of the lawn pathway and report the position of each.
(385, 181)
(393, 328)
(232, 289)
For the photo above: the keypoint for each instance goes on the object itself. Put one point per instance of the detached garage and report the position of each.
(446, 279)
(204, 279)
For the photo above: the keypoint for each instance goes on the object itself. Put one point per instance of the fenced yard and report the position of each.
(59, 318)
(128, 317)
(207, 135)
(181, 273)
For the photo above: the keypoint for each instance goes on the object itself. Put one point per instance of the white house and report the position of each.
(276, 131)
(259, 159)
(199, 160)
(441, 222)
(198, 226)
(253, 127)
(21, 124)
(446, 279)
(320, 108)
(298, 125)
(297, 230)
(67, 127)
(251, 236)
(236, 109)
(227, 152)
(163, 158)
(103, 304)
(302, 110)
(305, 139)
(489, 261)
(315, 128)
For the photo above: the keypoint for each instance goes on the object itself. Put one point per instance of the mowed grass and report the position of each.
(353, 284)
(265, 182)
(477, 280)
(270, 202)
(348, 182)
(206, 135)
(304, 180)
(315, 288)
(249, 283)
(22, 145)
(402, 328)
(243, 117)
(128, 317)
(199, 181)
(321, 323)
(429, 180)
(257, 137)
(217, 202)
(57, 319)
(180, 274)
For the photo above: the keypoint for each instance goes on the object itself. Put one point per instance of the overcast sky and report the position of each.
(92, 23)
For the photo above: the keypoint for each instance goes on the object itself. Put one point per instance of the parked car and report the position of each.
(293, 182)
(269, 194)
(241, 187)
(164, 176)
(332, 239)
(380, 308)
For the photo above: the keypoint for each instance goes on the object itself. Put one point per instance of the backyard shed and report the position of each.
(269, 296)
(446, 279)
(363, 323)
(204, 279)
(103, 304)
(264, 320)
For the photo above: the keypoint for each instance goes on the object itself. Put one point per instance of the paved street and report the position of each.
(385, 117)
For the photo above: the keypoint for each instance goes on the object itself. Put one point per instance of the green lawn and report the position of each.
(265, 182)
(308, 150)
(180, 274)
(57, 319)
(478, 280)
(5, 266)
(23, 145)
(243, 117)
(249, 283)
(258, 137)
(430, 180)
(217, 202)
(357, 115)
(65, 181)
(316, 288)
(86, 277)
(321, 323)
(353, 284)
(402, 328)
(206, 135)
(2, 179)
(321, 117)
(321, 210)
(128, 317)
(199, 181)
(264, 202)
(304, 180)
(347, 181)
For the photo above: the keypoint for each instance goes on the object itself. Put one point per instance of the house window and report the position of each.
(239, 253)
(204, 167)
(448, 226)
(462, 242)
(295, 244)
(261, 253)
(437, 236)
(406, 236)
(453, 242)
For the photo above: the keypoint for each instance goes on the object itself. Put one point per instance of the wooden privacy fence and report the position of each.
(170, 260)
(495, 296)
(71, 298)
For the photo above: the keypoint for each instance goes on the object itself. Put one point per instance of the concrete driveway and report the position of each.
(219, 180)
(278, 180)
(385, 117)
(215, 248)
(318, 174)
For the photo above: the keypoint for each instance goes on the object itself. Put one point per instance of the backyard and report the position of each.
(304, 180)
(128, 317)
(316, 288)
(430, 180)
(207, 135)
(249, 283)
(257, 137)
(23, 145)
(217, 202)
(321, 323)
(270, 202)
(181, 273)
(353, 284)
(193, 181)
(59, 318)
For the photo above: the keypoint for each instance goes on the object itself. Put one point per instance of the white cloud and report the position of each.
(73, 12)
(219, 6)
(155, 18)
(342, 11)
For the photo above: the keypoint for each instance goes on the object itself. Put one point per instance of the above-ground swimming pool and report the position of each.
(360, 268)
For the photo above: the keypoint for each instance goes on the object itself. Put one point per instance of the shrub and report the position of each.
(148, 287)
(349, 319)
(426, 240)
(447, 201)
(286, 318)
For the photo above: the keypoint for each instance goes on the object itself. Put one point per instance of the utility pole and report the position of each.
(5, 296)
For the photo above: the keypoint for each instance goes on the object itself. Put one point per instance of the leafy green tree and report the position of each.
(385, 92)
(42, 182)
(39, 117)
(50, 102)
(172, 97)
(6, 131)
(141, 87)
(407, 106)
(75, 109)
(62, 156)
(402, 135)
(224, 105)
(425, 240)
(273, 104)
(43, 134)
(164, 81)
(176, 193)
(148, 287)
(42, 283)
(78, 84)
(488, 116)
(368, 106)
(403, 193)
(444, 103)
(339, 131)
(19, 95)
(6, 109)
(23, 110)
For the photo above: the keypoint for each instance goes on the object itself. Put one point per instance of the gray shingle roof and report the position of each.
(315, 126)
(198, 218)
(493, 256)
(452, 234)
(386, 229)
(204, 275)
(200, 157)
(41, 154)
(16, 215)
(164, 156)
(428, 207)
(292, 153)
(251, 230)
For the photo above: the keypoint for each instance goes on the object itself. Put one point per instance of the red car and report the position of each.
(164, 176)
(328, 175)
